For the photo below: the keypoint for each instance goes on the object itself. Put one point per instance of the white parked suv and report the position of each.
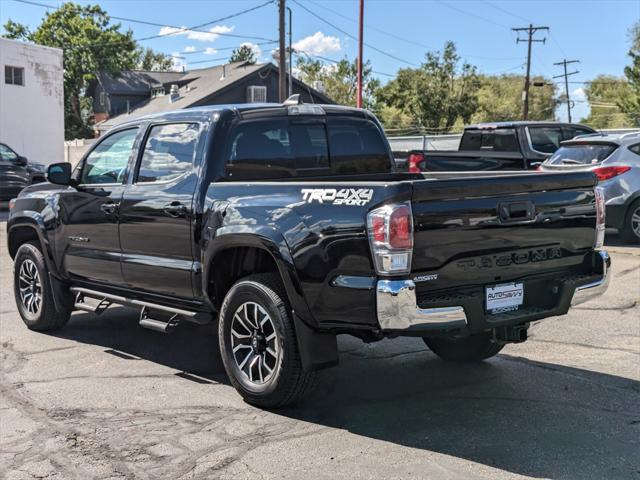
(615, 159)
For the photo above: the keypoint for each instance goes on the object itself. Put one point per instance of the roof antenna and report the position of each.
(293, 100)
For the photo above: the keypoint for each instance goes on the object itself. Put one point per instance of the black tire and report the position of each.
(45, 317)
(288, 383)
(627, 232)
(474, 348)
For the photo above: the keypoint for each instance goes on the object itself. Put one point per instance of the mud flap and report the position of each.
(318, 350)
(62, 298)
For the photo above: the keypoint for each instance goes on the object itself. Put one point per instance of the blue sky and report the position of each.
(594, 32)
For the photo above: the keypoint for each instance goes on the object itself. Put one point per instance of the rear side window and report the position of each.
(545, 139)
(583, 154)
(498, 140)
(635, 148)
(289, 147)
(356, 146)
(168, 152)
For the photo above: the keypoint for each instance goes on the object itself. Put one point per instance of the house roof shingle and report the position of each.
(136, 82)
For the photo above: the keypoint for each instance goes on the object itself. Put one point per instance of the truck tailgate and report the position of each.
(483, 229)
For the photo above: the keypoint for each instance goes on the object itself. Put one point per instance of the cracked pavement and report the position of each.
(106, 399)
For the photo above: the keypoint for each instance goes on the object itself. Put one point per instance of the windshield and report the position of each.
(583, 154)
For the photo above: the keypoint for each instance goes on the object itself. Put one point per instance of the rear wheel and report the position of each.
(630, 231)
(473, 348)
(33, 293)
(258, 343)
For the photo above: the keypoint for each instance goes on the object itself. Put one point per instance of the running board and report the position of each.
(106, 299)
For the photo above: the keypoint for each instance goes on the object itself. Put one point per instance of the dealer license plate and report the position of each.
(505, 297)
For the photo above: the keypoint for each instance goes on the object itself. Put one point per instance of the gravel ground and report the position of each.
(107, 399)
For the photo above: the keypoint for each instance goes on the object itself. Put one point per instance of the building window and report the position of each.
(13, 75)
(157, 92)
(256, 94)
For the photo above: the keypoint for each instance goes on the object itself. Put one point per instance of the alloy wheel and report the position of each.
(30, 287)
(255, 343)
(635, 221)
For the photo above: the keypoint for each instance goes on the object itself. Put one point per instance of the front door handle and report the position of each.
(109, 208)
(175, 209)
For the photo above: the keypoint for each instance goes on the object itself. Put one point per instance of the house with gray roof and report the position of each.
(239, 82)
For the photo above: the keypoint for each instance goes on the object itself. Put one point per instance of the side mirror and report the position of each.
(59, 173)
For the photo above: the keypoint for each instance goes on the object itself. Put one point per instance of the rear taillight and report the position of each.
(605, 173)
(391, 238)
(600, 218)
(413, 161)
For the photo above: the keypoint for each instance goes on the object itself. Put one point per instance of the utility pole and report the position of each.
(360, 40)
(290, 55)
(566, 76)
(531, 30)
(282, 60)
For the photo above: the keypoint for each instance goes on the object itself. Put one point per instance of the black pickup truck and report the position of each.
(287, 225)
(521, 145)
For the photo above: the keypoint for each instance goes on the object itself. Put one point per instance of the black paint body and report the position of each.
(179, 259)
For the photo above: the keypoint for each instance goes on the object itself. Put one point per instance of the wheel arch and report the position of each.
(26, 228)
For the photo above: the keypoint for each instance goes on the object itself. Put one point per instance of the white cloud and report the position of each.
(209, 36)
(318, 44)
(189, 49)
(579, 94)
(210, 51)
(178, 63)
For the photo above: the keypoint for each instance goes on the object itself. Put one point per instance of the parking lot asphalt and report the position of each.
(107, 399)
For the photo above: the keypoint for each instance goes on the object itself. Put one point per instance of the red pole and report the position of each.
(359, 98)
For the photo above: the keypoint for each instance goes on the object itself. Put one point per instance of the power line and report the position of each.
(531, 30)
(480, 17)
(331, 60)
(352, 36)
(221, 49)
(177, 30)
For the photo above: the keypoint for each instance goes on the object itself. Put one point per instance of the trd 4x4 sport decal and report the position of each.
(343, 196)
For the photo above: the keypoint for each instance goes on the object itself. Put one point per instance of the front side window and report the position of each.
(13, 75)
(168, 152)
(545, 139)
(6, 154)
(107, 163)
(583, 154)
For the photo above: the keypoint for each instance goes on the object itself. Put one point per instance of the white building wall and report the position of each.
(32, 116)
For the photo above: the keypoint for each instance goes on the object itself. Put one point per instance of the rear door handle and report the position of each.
(109, 208)
(175, 209)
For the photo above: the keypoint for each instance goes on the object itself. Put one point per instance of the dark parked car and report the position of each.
(495, 146)
(14, 173)
(287, 225)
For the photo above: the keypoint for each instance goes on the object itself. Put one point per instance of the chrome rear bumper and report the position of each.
(398, 309)
(594, 289)
(397, 306)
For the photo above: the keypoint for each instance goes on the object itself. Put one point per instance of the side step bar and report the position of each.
(146, 321)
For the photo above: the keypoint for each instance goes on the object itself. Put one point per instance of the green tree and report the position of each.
(630, 103)
(244, 53)
(605, 94)
(91, 44)
(340, 80)
(436, 94)
(500, 99)
(152, 61)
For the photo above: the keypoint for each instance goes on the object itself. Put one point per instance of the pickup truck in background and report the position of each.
(494, 146)
(287, 225)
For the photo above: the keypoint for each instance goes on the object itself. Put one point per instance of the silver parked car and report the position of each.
(615, 159)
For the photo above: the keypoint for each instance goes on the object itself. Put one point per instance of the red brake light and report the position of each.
(414, 161)
(378, 229)
(400, 234)
(605, 173)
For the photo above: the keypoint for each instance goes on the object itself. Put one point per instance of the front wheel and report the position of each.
(630, 231)
(33, 293)
(473, 348)
(258, 343)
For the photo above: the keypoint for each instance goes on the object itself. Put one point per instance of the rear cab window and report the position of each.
(299, 146)
(581, 154)
(493, 140)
